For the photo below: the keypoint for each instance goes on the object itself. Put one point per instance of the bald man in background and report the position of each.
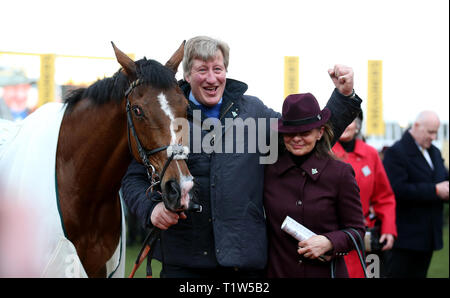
(417, 174)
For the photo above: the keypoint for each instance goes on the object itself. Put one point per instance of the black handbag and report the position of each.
(372, 237)
(359, 247)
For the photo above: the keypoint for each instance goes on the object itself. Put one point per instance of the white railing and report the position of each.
(394, 132)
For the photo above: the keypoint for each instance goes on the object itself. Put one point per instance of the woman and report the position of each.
(375, 190)
(310, 186)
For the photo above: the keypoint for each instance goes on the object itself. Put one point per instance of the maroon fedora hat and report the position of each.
(301, 112)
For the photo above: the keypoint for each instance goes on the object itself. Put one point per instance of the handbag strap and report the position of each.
(361, 243)
(359, 249)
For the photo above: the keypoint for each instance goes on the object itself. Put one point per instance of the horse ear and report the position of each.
(176, 58)
(126, 62)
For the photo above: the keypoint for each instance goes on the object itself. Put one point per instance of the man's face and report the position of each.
(208, 79)
(426, 132)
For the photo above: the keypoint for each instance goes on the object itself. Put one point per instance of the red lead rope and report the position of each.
(146, 251)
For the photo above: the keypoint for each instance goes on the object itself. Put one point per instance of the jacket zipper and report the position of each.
(226, 111)
(220, 120)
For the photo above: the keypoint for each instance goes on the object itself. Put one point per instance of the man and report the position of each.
(228, 238)
(419, 179)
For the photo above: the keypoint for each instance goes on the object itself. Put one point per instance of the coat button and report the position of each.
(300, 261)
(299, 202)
(303, 173)
(205, 253)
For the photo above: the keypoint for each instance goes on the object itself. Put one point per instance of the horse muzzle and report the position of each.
(179, 198)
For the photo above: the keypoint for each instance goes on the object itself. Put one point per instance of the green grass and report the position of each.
(439, 266)
(439, 262)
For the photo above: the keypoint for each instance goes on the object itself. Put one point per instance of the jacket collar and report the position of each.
(340, 152)
(411, 147)
(359, 148)
(313, 166)
(233, 90)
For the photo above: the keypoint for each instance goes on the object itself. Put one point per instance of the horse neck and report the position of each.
(93, 149)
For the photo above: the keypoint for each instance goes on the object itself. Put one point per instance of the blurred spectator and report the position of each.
(420, 182)
(375, 191)
(5, 113)
(17, 242)
(382, 151)
(16, 97)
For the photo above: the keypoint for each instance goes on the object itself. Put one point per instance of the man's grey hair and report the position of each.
(204, 48)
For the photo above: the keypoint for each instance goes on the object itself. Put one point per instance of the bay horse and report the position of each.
(129, 115)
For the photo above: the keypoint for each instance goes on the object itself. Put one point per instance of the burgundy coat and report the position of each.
(322, 195)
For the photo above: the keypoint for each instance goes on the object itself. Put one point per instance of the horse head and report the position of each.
(158, 130)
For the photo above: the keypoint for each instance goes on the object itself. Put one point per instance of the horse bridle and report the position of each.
(175, 151)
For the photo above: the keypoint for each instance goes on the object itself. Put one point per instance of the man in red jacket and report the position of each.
(375, 190)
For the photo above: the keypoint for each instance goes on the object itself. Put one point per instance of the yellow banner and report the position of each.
(375, 122)
(46, 84)
(290, 75)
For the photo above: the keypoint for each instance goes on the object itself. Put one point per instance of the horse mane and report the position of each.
(113, 88)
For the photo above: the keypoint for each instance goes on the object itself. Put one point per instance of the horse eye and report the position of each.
(137, 111)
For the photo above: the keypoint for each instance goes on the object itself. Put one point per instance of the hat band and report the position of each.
(302, 121)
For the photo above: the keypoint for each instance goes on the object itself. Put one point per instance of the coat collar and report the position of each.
(313, 166)
(359, 150)
(234, 89)
(411, 147)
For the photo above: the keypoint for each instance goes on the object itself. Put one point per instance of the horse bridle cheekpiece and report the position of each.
(175, 151)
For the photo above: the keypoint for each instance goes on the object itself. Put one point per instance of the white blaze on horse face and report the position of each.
(186, 182)
(168, 111)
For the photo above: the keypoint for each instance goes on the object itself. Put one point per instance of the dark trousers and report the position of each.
(405, 263)
(171, 271)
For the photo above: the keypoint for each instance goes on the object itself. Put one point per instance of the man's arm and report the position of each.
(396, 166)
(134, 186)
(343, 111)
(344, 104)
(149, 209)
